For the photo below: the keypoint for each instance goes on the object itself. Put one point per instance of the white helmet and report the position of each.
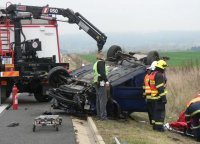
(153, 65)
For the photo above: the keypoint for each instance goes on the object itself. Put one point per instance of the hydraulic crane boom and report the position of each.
(73, 18)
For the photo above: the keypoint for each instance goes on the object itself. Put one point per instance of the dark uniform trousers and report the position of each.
(158, 114)
(150, 110)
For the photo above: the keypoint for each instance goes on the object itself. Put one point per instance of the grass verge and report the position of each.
(137, 131)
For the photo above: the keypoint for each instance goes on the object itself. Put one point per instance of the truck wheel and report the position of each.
(152, 56)
(5, 92)
(2, 94)
(38, 94)
(112, 53)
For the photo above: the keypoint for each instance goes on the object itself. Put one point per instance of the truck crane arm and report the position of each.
(73, 18)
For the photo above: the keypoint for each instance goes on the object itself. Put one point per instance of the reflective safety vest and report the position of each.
(147, 90)
(154, 88)
(95, 72)
(194, 100)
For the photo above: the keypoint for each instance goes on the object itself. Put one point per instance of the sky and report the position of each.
(128, 15)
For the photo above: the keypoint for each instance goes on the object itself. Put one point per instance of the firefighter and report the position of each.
(101, 84)
(192, 116)
(157, 83)
(147, 90)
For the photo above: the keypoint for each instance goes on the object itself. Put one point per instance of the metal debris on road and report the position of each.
(13, 124)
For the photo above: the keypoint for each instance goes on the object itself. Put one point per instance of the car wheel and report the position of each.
(57, 76)
(152, 56)
(112, 53)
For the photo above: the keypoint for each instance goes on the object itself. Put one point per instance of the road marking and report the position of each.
(3, 107)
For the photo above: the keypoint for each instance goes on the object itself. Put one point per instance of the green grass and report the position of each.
(182, 58)
(88, 57)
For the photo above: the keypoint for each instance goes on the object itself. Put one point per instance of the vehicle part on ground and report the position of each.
(13, 124)
(26, 62)
(47, 120)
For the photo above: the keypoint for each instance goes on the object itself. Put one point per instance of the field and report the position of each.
(182, 58)
(183, 76)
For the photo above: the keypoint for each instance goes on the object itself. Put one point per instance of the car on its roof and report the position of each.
(75, 91)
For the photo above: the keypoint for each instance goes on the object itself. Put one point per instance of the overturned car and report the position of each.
(75, 91)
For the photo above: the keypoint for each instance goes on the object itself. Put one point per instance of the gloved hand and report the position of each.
(107, 85)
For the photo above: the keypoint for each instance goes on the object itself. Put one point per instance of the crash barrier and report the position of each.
(15, 98)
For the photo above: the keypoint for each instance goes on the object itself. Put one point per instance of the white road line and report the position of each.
(3, 107)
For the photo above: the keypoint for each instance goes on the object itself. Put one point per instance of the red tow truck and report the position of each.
(29, 46)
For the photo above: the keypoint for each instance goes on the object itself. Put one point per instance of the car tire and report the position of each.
(55, 76)
(152, 56)
(112, 53)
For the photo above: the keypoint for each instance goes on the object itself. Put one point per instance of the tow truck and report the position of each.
(26, 63)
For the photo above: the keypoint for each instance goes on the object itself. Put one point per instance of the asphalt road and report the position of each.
(23, 134)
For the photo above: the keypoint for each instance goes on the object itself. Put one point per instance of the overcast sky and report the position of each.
(128, 15)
